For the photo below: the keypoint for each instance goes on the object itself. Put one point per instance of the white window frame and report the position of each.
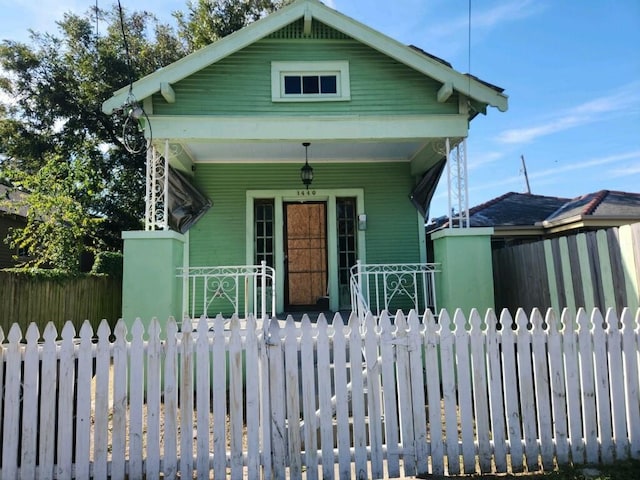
(339, 68)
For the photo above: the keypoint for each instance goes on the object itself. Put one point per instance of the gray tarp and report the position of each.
(423, 192)
(186, 204)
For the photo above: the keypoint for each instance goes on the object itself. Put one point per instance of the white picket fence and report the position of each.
(301, 400)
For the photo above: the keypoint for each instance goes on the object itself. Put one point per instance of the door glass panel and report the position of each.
(263, 242)
(347, 254)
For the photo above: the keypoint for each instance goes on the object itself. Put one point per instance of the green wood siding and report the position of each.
(241, 83)
(392, 226)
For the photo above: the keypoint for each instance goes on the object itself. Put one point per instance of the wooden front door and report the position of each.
(305, 232)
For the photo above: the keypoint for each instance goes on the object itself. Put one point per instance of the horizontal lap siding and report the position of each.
(241, 84)
(392, 225)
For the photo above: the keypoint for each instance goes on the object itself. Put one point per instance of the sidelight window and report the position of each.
(264, 231)
(347, 231)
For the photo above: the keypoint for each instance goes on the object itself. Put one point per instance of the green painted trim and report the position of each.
(224, 47)
(233, 128)
(585, 272)
(185, 279)
(462, 232)
(322, 195)
(332, 253)
(154, 235)
(422, 239)
(567, 275)
(551, 277)
(605, 270)
(630, 268)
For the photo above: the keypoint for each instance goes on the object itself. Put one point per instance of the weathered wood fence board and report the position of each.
(241, 399)
(26, 299)
(596, 269)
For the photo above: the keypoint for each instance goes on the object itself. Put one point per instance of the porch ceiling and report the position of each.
(421, 153)
(294, 151)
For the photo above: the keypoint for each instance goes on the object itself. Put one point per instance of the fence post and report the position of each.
(265, 403)
(186, 400)
(277, 414)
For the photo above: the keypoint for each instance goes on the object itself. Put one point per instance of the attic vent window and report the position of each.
(310, 81)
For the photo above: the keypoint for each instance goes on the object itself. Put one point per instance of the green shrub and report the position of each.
(109, 263)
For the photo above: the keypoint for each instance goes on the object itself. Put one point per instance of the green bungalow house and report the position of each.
(317, 142)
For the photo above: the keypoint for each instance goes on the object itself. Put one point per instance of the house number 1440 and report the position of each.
(306, 193)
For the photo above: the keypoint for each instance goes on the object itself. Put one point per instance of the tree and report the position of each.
(56, 143)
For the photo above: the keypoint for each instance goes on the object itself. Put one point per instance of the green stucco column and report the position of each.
(150, 284)
(466, 271)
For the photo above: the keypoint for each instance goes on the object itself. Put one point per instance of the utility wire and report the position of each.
(469, 51)
(126, 48)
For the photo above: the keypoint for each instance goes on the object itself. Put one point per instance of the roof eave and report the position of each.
(464, 84)
(192, 63)
(518, 230)
(588, 221)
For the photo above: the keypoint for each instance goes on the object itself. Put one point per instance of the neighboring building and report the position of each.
(602, 209)
(522, 217)
(561, 253)
(239, 118)
(12, 215)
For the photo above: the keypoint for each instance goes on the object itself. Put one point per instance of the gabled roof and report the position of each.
(605, 203)
(430, 66)
(514, 209)
(552, 214)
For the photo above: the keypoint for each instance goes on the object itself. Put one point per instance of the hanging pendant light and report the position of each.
(306, 172)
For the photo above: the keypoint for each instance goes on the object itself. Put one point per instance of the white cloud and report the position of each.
(455, 31)
(625, 171)
(594, 162)
(483, 159)
(583, 114)
(552, 175)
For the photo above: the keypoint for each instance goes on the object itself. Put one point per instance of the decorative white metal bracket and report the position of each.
(157, 186)
(457, 182)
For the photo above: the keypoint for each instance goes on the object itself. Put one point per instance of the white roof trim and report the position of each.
(230, 44)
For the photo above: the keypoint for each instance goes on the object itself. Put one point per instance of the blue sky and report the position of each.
(571, 70)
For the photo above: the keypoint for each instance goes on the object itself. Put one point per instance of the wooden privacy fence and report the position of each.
(289, 400)
(596, 269)
(25, 298)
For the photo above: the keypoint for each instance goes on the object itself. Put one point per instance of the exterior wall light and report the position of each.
(306, 172)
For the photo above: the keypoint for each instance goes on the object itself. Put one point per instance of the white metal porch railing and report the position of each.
(378, 287)
(212, 290)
